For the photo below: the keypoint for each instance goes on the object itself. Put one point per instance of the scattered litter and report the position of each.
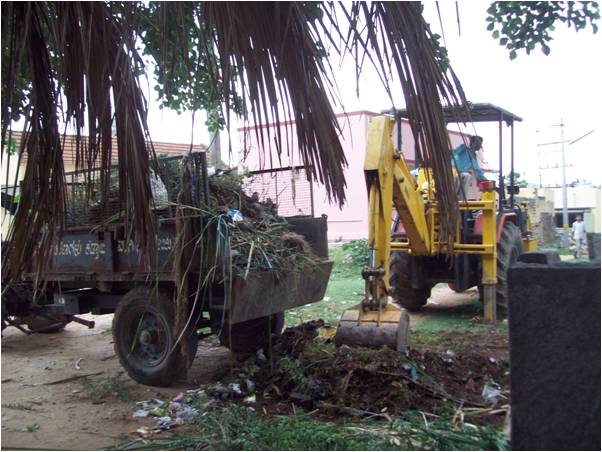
(250, 385)
(157, 411)
(164, 422)
(411, 370)
(77, 363)
(168, 413)
(235, 215)
(186, 413)
(235, 389)
(260, 355)
(491, 393)
(141, 413)
(326, 298)
(450, 353)
(492, 360)
(250, 399)
(143, 432)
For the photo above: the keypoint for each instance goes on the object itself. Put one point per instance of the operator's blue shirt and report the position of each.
(465, 160)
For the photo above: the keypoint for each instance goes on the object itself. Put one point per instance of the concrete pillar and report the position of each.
(554, 320)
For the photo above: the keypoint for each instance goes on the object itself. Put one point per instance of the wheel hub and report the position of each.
(151, 344)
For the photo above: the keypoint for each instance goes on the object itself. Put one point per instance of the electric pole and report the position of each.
(565, 210)
(565, 197)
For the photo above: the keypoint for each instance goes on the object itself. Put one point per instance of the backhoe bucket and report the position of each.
(389, 327)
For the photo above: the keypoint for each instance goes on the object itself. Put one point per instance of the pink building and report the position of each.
(289, 188)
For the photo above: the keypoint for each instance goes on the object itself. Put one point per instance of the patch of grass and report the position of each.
(110, 387)
(32, 428)
(345, 289)
(456, 319)
(238, 428)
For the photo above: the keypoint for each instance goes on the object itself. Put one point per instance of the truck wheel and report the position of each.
(144, 338)
(400, 279)
(509, 248)
(251, 335)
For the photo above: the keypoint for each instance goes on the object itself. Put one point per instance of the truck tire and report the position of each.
(251, 335)
(400, 279)
(509, 248)
(144, 338)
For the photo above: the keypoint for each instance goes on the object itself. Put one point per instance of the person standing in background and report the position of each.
(579, 234)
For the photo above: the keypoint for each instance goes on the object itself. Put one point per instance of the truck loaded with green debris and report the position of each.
(223, 263)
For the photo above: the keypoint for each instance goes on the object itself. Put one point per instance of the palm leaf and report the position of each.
(80, 65)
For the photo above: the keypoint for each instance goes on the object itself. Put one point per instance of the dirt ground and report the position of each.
(41, 412)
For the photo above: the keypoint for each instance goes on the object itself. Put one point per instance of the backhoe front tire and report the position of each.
(509, 249)
(400, 279)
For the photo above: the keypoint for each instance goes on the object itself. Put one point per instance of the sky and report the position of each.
(544, 90)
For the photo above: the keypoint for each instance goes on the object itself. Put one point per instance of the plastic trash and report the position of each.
(165, 422)
(411, 370)
(140, 413)
(491, 393)
(235, 215)
(187, 413)
(157, 411)
(235, 389)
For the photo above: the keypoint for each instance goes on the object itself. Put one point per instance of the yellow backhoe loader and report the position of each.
(407, 256)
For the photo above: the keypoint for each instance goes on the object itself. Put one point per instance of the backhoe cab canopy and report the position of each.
(481, 112)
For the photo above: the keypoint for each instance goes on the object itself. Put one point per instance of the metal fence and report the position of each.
(84, 207)
(287, 187)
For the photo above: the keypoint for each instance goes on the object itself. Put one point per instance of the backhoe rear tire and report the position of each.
(400, 279)
(509, 248)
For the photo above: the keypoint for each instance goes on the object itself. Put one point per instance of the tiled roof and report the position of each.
(161, 148)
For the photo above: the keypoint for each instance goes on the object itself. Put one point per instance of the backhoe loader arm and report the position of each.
(389, 184)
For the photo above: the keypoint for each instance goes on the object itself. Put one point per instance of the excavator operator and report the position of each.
(464, 159)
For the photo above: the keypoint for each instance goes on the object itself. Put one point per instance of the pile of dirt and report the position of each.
(314, 374)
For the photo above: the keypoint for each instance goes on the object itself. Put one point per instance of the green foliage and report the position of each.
(525, 25)
(182, 79)
(112, 386)
(518, 182)
(356, 252)
(345, 289)
(11, 146)
(237, 428)
(32, 428)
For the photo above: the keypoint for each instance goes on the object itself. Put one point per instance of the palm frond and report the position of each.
(80, 59)
(77, 63)
(397, 36)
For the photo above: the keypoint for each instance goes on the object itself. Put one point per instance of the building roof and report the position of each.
(479, 112)
(161, 148)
